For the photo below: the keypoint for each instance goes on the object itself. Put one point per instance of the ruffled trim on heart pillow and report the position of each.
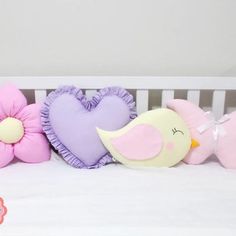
(89, 105)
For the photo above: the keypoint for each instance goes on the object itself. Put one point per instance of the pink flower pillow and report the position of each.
(21, 133)
(214, 137)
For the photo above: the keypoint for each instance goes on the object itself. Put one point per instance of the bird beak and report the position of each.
(194, 143)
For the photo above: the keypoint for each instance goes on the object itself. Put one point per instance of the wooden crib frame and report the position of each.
(141, 84)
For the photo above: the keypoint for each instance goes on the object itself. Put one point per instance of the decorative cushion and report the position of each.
(21, 133)
(214, 137)
(70, 120)
(157, 138)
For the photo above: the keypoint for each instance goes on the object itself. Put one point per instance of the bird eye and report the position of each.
(177, 131)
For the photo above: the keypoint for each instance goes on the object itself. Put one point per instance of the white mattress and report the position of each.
(54, 199)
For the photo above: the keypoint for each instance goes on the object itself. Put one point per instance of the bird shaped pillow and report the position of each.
(157, 138)
(69, 120)
(214, 137)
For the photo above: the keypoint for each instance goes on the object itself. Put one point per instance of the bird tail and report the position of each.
(104, 136)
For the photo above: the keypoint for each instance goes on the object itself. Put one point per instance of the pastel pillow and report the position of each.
(157, 138)
(21, 133)
(214, 137)
(70, 120)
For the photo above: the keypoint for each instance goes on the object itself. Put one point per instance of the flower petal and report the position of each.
(30, 116)
(12, 101)
(6, 154)
(32, 148)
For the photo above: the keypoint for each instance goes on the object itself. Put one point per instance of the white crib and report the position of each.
(52, 198)
(141, 85)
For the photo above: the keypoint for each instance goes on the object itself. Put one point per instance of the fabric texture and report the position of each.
(157, 138)
(214, 137)
(53, 199)
(32, 147)
(70, 120)
(141, 142)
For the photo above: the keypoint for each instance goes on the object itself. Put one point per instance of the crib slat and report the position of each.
(40, 95)
(194, 96)
(90, 93)
(141, 101)
(166, 96)
(218, 103)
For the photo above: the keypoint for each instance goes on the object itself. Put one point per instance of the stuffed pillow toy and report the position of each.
(21, 133)
(70, 120)
(157, 138)
(214, 137)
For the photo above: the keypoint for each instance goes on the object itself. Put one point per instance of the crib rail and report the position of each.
(140, 84)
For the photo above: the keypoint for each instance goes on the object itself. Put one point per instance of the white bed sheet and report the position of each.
(54, 199)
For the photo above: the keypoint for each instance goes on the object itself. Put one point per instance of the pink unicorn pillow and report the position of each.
(21, 133)
(214, 137)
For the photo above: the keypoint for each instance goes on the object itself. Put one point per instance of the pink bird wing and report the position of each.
(194, 117)
(141, 142)
(225, 150)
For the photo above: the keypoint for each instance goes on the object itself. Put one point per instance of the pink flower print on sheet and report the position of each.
(3, 210)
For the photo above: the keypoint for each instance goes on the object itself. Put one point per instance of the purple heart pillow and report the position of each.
(70, 120)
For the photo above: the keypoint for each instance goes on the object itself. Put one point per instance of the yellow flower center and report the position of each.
(11, 130)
